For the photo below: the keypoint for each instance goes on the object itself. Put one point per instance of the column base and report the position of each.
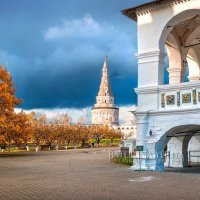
(144, 164)
(193, 78)
(174, 75)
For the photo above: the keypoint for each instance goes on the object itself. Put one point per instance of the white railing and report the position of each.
(194, 157)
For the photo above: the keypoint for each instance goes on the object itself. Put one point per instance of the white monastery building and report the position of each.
(104, 111)
(168, 115)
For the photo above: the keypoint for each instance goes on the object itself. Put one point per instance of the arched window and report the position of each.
(181, 41)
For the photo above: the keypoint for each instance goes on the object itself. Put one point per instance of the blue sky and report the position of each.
(55, 50)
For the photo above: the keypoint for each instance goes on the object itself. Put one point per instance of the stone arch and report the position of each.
(193, 64)
(174, 37)
(162, 142)
(173, 48)
(175, 20)
(192, 55)
(194, 150)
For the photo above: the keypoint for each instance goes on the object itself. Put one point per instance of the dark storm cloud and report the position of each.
(55, 50)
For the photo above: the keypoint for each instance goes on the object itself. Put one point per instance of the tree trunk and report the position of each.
(98, 141)
(49, 146)
(83, 143)
(9, 146)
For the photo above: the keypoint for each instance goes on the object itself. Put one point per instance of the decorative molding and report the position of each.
(168, 3)
(149, 56)
(179, 86)
(163, 100)
(167, 88)
(146, 8)
(199, 96)
(153, 53)
(146, 90)
(171, 70)
(178, 99)
(186, 98)
(143, 13)
(169, 112)
(194, 96)
(105, 108)
(170, 99)
(194, 78)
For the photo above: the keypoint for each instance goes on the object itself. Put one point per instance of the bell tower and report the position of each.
(104, 111)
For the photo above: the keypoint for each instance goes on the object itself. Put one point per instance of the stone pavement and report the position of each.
(81, 174)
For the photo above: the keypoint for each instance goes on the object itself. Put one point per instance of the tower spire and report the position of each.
(105, 89)
(105, 62)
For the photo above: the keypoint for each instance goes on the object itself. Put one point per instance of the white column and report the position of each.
(174, 75)
(150, 68)
(193, 64)
(142, 129)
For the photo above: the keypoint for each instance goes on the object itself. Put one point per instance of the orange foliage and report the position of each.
(19, 128)
(12, 125)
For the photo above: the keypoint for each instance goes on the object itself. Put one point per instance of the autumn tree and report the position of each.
(68, 134)
(21, 130)
(83, 134)
(8, 101)
(63, 119)
(98, 133)
(113, 134)
(38, 120)
(49, 134)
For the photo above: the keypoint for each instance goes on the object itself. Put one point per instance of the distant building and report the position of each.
(128, 136)
(104, 111)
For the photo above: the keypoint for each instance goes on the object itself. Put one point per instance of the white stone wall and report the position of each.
(160, 123)
(103, 101)
(104, 116)
(128, 131)
(174, 152)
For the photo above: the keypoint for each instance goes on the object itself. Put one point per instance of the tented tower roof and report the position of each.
(105, 88)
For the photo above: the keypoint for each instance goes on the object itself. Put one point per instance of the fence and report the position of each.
(194, 157)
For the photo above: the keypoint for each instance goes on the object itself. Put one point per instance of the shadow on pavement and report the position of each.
(189, 170)
(17, 154)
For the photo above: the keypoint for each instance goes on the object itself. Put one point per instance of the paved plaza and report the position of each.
(88, 174)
